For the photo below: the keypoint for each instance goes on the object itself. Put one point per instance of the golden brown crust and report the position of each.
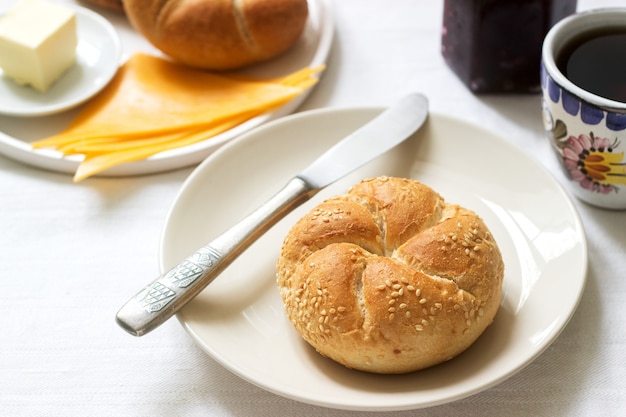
(219, 34)
(109, 4)
(390, 278)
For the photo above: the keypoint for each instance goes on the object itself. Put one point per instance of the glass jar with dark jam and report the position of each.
(494, 46)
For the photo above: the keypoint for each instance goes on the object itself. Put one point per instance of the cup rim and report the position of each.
(557, 36)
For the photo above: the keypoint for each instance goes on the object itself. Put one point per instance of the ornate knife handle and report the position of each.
(161, 299)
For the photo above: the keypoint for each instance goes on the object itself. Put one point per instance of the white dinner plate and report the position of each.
(311, 50)
(98, 56)
(239, 319)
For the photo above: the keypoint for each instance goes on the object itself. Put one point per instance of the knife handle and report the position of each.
(161, 299)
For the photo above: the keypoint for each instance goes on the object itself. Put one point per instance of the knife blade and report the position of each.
(163, 297)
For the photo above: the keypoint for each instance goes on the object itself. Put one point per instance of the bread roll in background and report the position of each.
(219, 34)
(108, 4)
(390, 278)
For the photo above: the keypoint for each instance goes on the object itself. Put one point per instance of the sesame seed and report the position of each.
(341, 309)
(397, 286)
(392, 301)
(395, 294)
(403, 305)
(419, 328)
(424, 322)
(381, 287)
(418, 292)
(410, 288)
(423, 301)
(391, 309)
(408, 314)
(392, 316)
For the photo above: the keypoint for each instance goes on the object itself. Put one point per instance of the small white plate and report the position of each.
(239, 319)
(98, 55)
(311, 50)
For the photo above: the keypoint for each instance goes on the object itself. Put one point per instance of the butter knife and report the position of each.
(162, 298)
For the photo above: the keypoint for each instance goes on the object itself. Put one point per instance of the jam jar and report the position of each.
(494, 46)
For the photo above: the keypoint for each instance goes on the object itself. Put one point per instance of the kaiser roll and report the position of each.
(390, 278)
(219, 34)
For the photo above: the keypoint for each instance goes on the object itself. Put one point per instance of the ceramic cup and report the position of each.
(586, 131)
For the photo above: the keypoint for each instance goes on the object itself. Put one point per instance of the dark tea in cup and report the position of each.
(583, 77)
(596, 61)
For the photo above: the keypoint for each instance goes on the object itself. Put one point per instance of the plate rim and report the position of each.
(194, 154)
(84, 17)
(562, 322)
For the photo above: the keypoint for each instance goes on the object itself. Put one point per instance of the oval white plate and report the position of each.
(98, 56)
(311, 50)
(239, 319)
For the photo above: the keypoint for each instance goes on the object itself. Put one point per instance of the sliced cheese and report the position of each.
(150, 94)
(153, 105)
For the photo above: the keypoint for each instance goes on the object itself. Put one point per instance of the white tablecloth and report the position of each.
(71, 254)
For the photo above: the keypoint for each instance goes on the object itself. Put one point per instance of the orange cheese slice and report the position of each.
(153, 105)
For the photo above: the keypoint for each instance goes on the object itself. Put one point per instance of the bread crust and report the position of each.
(390, 278)
(115, 5)
(219, 34)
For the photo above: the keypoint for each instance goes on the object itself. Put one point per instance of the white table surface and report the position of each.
(71, 254)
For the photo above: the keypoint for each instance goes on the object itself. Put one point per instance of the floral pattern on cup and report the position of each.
(590, 160)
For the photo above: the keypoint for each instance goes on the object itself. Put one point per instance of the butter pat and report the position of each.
(37, 43)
